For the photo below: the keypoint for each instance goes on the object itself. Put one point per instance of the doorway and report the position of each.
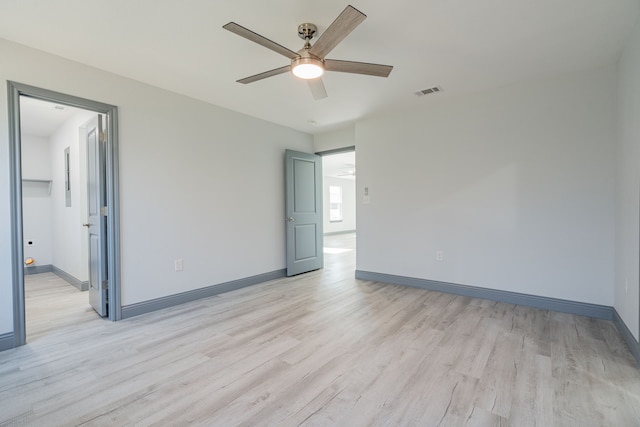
(28, 181)
(339, 201)
(54, 142)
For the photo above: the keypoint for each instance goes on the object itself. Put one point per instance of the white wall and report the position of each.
(68, 235)
(348, 222)
(332, 140)
(35, 157)
(628, 185)
(516, 187)
(197, 182)
(36, 200)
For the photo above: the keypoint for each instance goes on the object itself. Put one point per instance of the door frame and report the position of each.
(14, 91)
(348, 149)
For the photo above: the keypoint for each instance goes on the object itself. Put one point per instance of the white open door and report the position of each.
(96, 213)
(303, 212)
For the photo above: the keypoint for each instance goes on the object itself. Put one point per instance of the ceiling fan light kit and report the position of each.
(307, 68)
(309, 63)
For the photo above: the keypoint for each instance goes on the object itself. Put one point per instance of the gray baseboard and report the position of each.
(7, 341)
(37, 269)
(628, 337)
(72, 280)
(209, 291)
(335, 233)
(554, 304)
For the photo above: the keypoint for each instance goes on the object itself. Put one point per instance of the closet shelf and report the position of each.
(38, 182)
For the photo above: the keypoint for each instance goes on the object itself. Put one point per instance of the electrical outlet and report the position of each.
(179, 266)
(439, 255)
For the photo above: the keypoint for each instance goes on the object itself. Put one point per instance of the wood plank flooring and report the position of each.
(320, 349)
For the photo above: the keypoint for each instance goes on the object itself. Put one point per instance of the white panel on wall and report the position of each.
(515, 187)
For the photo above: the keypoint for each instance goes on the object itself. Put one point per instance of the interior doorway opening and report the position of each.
(339, 204)
(31, 188)
(54, 207)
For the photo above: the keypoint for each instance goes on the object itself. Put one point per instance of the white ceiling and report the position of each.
(42, 118)
(340, 165)
(464, 46)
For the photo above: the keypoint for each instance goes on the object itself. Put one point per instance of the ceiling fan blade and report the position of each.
(346, 22)
(358, 67)
(257, 38)
(264, 75)
(317, 88)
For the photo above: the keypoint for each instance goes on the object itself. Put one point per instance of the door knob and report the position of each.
(290, 219)
(86, 225)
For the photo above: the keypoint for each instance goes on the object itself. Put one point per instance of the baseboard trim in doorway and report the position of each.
(565, 306)
(72, 280)
(632, 343)
(169, 301)
(7, 341)
(38, 269)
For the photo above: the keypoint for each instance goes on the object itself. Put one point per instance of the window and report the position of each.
(335, 203)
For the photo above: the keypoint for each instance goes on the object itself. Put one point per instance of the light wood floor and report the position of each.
(321, 349)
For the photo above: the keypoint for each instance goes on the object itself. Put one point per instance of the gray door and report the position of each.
(303, 212)
(97, 221)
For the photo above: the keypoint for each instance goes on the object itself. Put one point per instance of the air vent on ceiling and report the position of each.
(428, 91)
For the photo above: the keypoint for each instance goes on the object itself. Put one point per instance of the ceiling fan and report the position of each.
(309, 63)
(348, 169)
